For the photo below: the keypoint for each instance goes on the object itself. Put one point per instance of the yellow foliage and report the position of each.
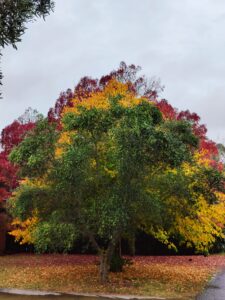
(205, 225)
(163, 236)
(35, 182)
(111, 173)
(199, 223)
(22, 230)
(64, 139)
(202, 158)
(102, 98)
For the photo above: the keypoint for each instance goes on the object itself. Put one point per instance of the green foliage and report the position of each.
(175, 136)
(102, 176)
(101, 181)
(36, 152)
(54, 237)
(125, 145)
(27, 199)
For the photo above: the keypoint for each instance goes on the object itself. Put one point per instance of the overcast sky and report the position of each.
(182, 42)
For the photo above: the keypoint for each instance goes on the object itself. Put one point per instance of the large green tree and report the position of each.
(96, 179)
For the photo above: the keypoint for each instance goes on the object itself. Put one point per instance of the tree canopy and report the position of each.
(112, 158)
(97, 175)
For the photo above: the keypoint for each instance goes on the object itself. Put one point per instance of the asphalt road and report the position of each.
(215, 290)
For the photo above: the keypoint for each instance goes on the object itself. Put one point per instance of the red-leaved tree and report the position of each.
(10, 137)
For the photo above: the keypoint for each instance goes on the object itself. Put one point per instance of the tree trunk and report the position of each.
(120, 247)
(132, 245)
(2, 241)
(104, 267)
(3, 230)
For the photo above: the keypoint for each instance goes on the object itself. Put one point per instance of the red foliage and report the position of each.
(87, 85)
(141, 86)
(166, 109)
(209, 147)
(210, 151)
(13, 134)
(8, 178)
(64, 99)
(7, 171)
(199, 130)
(217, 165)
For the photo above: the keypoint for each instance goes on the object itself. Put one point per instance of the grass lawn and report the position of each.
(167, 276)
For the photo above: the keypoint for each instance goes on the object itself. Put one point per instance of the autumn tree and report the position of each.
(10, 137)
(93, 177)
(110, 158)
(142, 86)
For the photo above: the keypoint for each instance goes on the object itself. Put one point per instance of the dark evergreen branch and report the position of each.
(14, 14)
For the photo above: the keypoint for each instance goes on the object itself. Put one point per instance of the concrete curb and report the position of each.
(116, 296)
(28, 292)
(84, 295)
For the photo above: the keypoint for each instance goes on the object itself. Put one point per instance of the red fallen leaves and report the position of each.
(167, 276)
(214, 261)
(51, 260)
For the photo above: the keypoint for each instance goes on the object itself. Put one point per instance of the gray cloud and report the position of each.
(182, 42)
